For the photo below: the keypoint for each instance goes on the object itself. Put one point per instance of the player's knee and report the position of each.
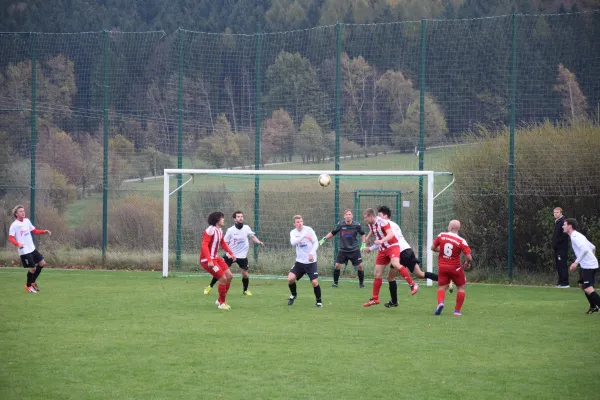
(42, 263)
(338, 266)
(315, 282)
(359, 267)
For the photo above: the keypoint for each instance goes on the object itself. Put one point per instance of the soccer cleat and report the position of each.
(592, 310)
(361, 286)
(30, 289)
(334, 285)
(291, 299)
(457, 313)
(217, 302)
(224, 306)
(319, 304)
(414, 288)
(390, 304)
(451, 287)
(439, 309)
(247, 293)
(207, 289)
(371, 302)
(35, 286)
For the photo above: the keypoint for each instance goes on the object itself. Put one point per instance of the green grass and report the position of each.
(134, 335)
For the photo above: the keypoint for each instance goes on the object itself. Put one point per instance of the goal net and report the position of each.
(420, 202)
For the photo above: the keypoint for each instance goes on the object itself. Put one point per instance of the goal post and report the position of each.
(285, 193)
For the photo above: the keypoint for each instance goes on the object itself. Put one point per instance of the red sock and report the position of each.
(376, 287)
(404, 272)
(460, 300)
(228, 285)
(222, 293)
(441, 295)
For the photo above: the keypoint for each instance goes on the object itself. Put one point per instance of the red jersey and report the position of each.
(451, 245)
(380, 229)
(211, 240)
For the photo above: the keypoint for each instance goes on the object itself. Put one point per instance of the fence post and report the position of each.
(33, 127)
(257, 100)
(179, 143)
(105, 145)
(511, 150)
(422, 130)
(338, 105)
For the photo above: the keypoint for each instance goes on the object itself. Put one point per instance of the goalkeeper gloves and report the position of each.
(362, 247)
(321, 242)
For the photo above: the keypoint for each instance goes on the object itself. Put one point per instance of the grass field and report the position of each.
(134, 335)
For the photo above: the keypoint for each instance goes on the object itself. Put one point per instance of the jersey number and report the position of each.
(448, 249)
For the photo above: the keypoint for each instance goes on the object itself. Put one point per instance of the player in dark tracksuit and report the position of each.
(560, 245)
(349, 247)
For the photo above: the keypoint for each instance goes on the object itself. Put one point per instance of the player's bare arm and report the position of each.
(388, 236)
(257, 241)
(467, 264)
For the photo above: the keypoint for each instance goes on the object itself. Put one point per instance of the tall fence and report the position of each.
(510, 104)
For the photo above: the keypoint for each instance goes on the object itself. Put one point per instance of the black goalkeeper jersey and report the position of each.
(349, 236)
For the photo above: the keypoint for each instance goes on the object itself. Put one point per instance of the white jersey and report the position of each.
(237, 239)
(398, 233)
(21, 230)
(304, 247)
(584, 251)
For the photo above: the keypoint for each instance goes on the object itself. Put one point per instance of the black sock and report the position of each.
(317, 290)
(293, 289)
(29, 278)
(38, 271)
(589, 300)
(595, 298)
(245, 283)
(361, 277)
(214, 280)
(431, 275)
(336, 276)
(393, 291)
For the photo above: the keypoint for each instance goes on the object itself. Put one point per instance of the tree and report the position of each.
(572, 99)
(310, 140)
(222, 148)
(286, 15)
(398, 92)
(358, 85)
(406, 134)
(277, 137)
(62, 153)
(91, 163)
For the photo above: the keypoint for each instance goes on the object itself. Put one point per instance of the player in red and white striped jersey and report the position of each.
(450, 268)
(389, 252)
(212, 239)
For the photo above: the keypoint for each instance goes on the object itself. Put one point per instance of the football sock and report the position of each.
(393, 291)
(595, 297)
(227, 286)
(336, 276)
(361, 277)
(589, 300)
(245, 283)
(29, 278)
(214, 280)
(404, 272)
(460, 300)
(431, 275)
(293, 289)
(38, 271)
(222, 293)
(317, 290)
(441, 295)
(376, 287)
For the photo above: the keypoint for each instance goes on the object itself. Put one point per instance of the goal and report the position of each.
(420, 201)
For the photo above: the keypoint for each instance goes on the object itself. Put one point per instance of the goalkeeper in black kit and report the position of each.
(349, 247)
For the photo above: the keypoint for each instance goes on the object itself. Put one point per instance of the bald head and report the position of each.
(454, 226)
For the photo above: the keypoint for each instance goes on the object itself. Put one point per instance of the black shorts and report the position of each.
(32, 259)
(299, 269)
(588, 277)
(408, 259)
(242, 262)
(344, 256)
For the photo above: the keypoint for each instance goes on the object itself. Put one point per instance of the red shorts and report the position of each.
(385, 256)
(220, 266)
(454, 274)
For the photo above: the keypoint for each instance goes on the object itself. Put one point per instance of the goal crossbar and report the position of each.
(428, 174)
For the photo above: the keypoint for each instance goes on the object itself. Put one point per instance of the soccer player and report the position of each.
(389, 252)
(407, 259)
(586, 259)
(306, 242)
(450, 246)
(210, 260)
(237, 239)
(349, 248)
(19, 234)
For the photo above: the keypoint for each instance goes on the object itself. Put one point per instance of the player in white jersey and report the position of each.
(237, 238)
(306, 242)
(19, 234)
(587, 261)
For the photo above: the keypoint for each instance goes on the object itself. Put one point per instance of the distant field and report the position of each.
(134, 335)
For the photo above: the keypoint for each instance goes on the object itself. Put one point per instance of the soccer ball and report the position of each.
(324, 180)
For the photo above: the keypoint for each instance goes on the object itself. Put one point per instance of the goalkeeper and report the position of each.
(349, 247)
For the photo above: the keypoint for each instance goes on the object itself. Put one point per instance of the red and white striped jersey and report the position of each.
(380, 229)
(211, 240)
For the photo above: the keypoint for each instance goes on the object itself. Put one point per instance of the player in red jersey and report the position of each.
(389, 252)
(450, 269)
(210, 260)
